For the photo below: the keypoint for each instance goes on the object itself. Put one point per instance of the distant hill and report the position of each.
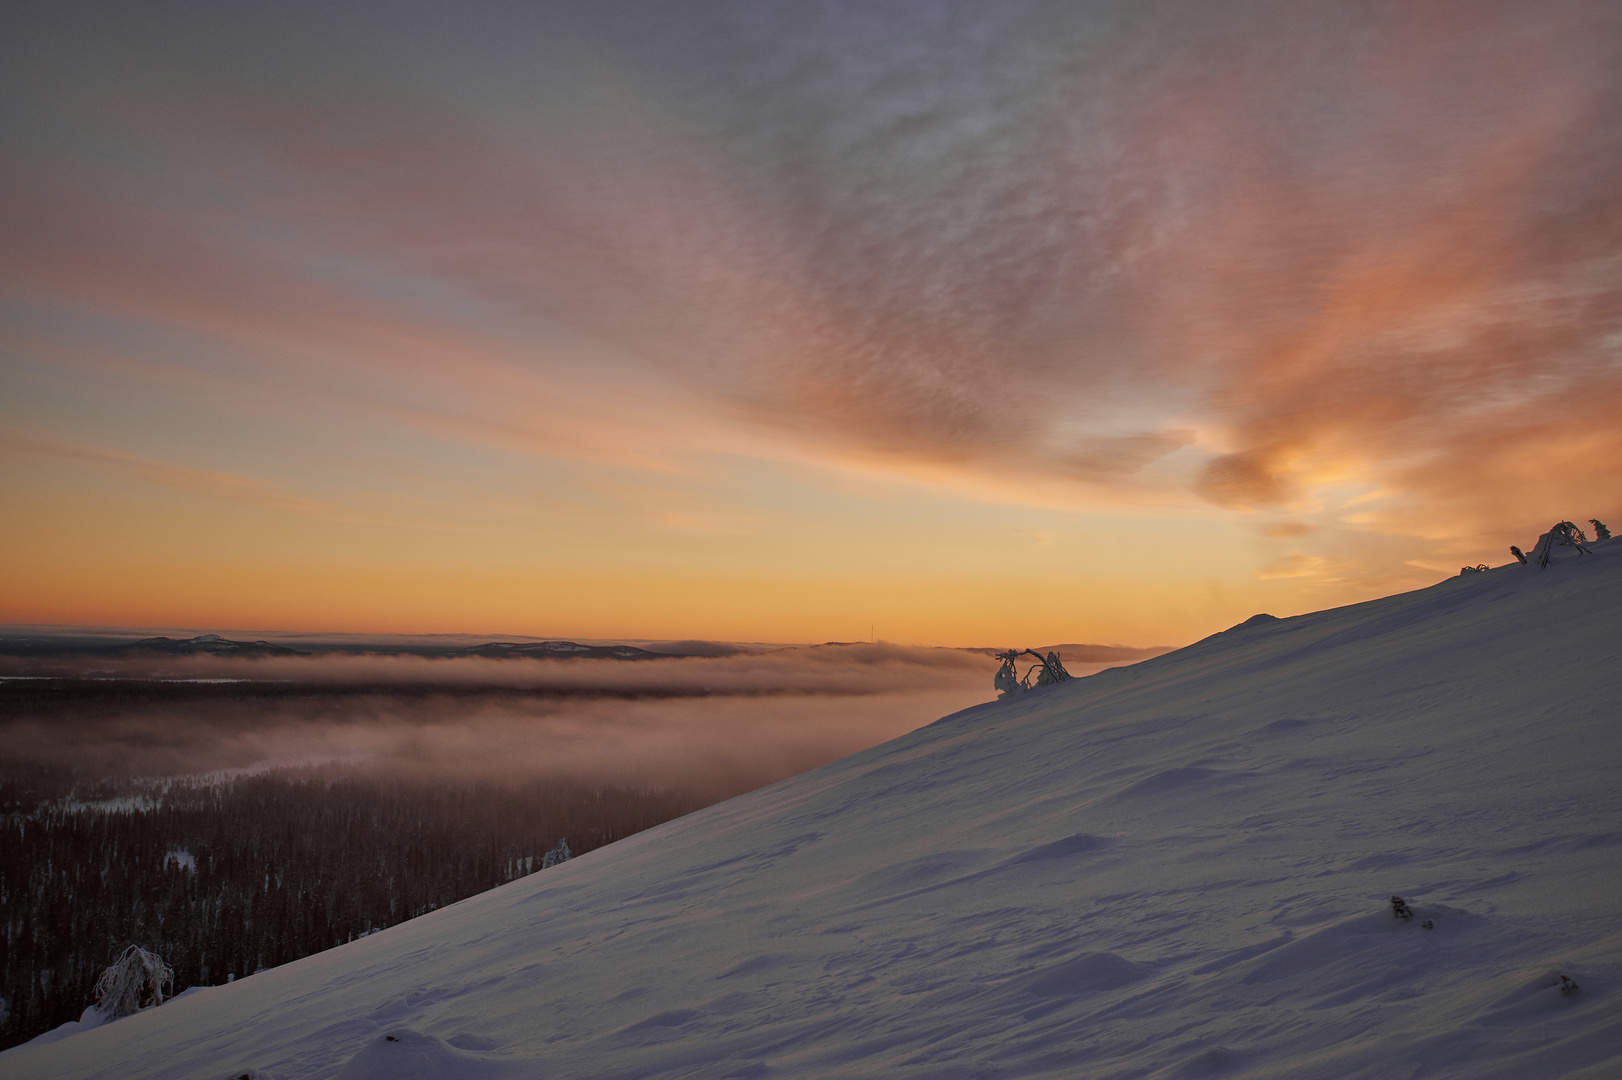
(202, 645)
(216, 645)
(211, 645)
(565, 650)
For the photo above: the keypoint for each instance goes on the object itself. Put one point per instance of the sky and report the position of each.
(935, 322)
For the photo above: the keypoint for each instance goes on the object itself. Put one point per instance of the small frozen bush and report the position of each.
(556, 855)
(136, 980)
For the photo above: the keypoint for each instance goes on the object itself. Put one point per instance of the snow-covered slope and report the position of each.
(1177, 869)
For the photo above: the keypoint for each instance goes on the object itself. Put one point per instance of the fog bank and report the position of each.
(725, 723)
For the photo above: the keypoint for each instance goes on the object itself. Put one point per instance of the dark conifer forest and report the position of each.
(225, 878)
(232, 819)
(126, 818)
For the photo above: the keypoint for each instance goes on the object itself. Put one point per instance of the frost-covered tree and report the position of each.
(136, 980)
(556, 855)
(1560, 534)
(1600, 531)
(1518, 553)
(1006, 681)
(1053, 670)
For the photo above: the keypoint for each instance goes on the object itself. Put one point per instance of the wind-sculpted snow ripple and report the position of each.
(1089, 973)
(402, 1054)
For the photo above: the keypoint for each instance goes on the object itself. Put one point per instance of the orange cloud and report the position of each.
(1349, 267)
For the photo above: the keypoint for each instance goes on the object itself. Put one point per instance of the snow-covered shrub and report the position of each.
(136, 980)
(556, 855)
(1400, 908)
(1053, 670)
(1600, 531)
(1007, 682)
(1567, 986)
(1560, 534)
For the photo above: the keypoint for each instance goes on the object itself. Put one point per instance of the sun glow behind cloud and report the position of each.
(1050, 322)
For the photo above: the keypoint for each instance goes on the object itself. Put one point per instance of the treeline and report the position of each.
(227, 878)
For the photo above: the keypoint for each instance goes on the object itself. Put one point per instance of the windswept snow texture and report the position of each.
(1178, 869)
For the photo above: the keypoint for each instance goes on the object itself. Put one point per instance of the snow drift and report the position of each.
(1177, 869)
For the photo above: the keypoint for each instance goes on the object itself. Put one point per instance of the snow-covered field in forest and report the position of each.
(1177, 869)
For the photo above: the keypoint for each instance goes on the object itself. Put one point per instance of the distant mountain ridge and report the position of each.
(217, 645)
(565, 650)
(203, 644)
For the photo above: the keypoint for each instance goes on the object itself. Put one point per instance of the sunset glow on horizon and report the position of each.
(936, 322)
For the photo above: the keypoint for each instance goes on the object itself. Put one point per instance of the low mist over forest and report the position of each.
(744, 719)
(234, 807)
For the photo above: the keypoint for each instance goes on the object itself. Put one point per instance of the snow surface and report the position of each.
(1176, 869)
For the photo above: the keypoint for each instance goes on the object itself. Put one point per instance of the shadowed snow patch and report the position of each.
(1079, 844)
(1088, 973)
(1534, 997)
(661, 1027)
(1177, 781)
(1208, 1061)
(916, 873)
(1368, 948)
(757, 965)
(667, 1019)
(1279, 727)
